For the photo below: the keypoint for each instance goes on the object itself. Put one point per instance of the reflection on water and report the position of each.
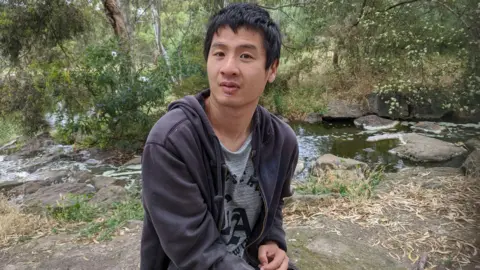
(343, 139)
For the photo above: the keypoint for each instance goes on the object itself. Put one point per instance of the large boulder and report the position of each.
(471, 166)
(56, 195)
(300, 167)
(421, 148)
(430, 127)
(429, 108)
(373, 122)
(100, 182)
(37, 163)
(329, 162)
(26, 188)
(473, 144)
(341, 109)
(313, 118)
(9, 147)
(379, 104)
(109, 195)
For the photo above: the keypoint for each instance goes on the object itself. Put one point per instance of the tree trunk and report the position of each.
(157, 27)
(117, 20)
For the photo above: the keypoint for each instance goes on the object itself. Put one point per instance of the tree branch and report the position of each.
(362, 10)
(400, 4)
(288, 5)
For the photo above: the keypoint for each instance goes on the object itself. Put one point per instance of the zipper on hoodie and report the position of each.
(264, 218)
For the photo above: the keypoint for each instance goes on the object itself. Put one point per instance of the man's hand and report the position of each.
(272, 257)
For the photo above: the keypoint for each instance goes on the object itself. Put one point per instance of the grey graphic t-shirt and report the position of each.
(242, 198)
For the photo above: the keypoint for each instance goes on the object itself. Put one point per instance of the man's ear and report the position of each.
(272, 71)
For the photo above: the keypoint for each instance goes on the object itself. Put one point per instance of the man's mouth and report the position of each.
(229, 88)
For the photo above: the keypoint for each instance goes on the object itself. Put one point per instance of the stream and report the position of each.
(342, 139)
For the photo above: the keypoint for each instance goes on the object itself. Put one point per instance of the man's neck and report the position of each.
(231, 125)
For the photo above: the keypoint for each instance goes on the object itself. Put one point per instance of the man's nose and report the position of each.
(229, 67)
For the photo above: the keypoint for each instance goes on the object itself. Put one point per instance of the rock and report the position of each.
(336, 251)
(341, 109)
(313, 118)
(50, 177)
(57, 194)
(7, 185)
(42, 161)
(300, 167)
(388, 136)
(9, 147)
(473, 144)
(431, 127)
(26, 188)
(109, 195)
(405, 107)
(134, 161)
(379, 104)
(81, 177)
(35, 145)
(100, 182)
(373, 122)
(471, 166)
(421, 148)
(332, 162)
(329, 162)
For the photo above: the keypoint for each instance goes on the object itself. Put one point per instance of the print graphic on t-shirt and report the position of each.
(241, 209)
(242, 199)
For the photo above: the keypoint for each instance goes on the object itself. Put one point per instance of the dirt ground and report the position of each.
(418, 211)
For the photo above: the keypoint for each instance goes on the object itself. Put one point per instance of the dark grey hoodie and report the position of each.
(183, 173)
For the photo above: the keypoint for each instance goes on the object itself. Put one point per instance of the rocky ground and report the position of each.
(413, 212)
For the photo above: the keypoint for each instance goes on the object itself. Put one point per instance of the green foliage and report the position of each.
(74, 209)
(8, 130)
(331, 182)
(92, 221)
(104, 228)
(38, 25)
(119, 98)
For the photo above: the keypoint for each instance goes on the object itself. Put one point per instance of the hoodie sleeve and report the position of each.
(182, 223)
(277, 233)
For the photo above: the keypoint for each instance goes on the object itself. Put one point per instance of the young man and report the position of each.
(217, 166)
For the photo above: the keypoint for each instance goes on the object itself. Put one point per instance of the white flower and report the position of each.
(114, 53)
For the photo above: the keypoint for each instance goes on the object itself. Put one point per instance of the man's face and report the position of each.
(236, 67)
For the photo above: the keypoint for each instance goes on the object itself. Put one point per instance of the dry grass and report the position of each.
(410, 219)
(17, 226)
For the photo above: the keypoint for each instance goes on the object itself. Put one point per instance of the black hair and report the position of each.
(250, 16)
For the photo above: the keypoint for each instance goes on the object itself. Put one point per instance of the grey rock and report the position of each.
(329, 162)
(109, 195)
(81, 177)
(342, 109)
(300, 167)
(373, 122)
(100, 182)
(471, 166)
(313, 118)
(26, 188)
(473, 144)
(43, 161)
(430, 127)
(9, 147)
(51, 177)
(377, 105)
(421, 148)
(7, 185)
(134, 161)
(56, 195)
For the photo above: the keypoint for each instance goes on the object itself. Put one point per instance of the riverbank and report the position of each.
(81, 207)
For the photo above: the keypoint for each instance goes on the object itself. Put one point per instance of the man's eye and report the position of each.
(246, 56)
(220, 54)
